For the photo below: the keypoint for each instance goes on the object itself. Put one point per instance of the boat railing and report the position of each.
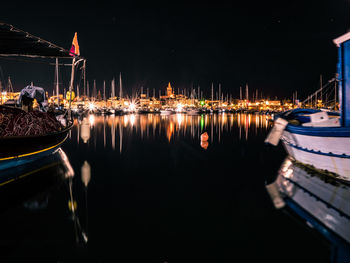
(326, 96)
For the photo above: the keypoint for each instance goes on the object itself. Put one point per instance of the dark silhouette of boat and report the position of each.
(14, 148)
(17, 149)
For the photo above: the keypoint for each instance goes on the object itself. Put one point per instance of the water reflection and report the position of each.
(85, 129)
(44, 188)
(19, 184)
(171, 127)
(80, 230)
(85, 178)
(319, 199)
(170, 183)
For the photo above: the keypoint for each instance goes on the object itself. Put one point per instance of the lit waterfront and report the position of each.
(172, 127)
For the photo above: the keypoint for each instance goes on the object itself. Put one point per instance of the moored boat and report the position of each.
(16, 150)
(166, 111)
(25, 134)
(193, 111)
(318, 138)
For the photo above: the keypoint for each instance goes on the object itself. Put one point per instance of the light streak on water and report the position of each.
(172, 127)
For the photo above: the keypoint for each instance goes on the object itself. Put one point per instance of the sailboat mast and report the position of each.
(212, 94)
(120, 85)
(113, 87)
(219, 94)
(94, 91)
(104, 90)
(84, 67)
(9, 85)
(88, 90)
(246, 92)
(57, 84)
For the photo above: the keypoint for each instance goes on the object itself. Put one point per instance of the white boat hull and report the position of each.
(315, 199)
(166, 112)
(324, 153)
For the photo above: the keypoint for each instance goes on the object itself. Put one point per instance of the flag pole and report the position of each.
(70, 89)
(74, 52)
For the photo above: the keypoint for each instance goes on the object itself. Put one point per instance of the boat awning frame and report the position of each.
(16, 42)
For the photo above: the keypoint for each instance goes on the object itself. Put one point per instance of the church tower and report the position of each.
(169, 91)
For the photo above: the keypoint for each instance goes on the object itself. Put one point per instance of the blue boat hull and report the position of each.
(15, 162)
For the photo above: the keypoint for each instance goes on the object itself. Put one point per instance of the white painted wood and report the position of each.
(340, 166)
(276, 132)
(335, 145)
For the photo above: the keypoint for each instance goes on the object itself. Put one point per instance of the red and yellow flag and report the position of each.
(74, 50)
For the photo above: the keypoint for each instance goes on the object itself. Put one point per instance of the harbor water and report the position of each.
(146, 188)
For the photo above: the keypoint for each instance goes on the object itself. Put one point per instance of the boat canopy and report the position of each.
(34, 92)
(343, 70)
(15, 42)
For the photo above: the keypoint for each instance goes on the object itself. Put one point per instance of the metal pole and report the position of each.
(57, 85)
(321, 88)
(70, 90)
(84, 77)
(335, 93)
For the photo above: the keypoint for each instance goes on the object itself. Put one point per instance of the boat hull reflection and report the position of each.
(17, 151)
(322, 201)
(19, 184)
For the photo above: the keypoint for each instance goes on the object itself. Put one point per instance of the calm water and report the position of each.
(145, 189)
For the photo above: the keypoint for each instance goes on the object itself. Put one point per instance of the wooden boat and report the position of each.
(16, 150)
(317, 138)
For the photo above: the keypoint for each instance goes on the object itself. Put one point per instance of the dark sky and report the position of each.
(276, 47)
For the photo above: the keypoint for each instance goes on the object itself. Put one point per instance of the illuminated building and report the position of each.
(169, 93)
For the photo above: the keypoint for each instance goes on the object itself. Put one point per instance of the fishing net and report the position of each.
(16, 122)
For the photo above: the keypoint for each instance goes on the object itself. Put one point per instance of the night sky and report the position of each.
(277, 47)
